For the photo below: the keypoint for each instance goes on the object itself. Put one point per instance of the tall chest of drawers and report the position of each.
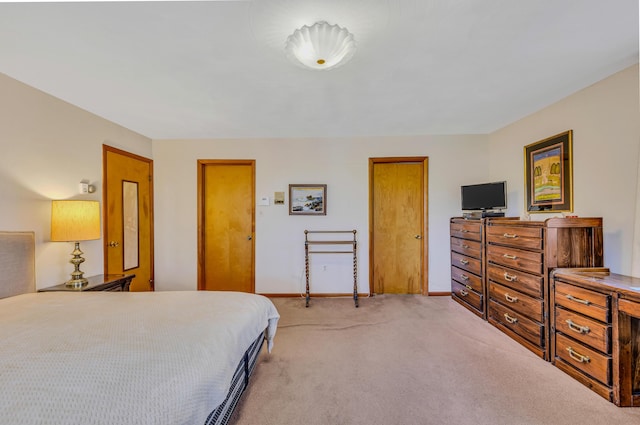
(520, 255)
(468, 264)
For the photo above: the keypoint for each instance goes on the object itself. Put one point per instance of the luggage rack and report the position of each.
(342, 242)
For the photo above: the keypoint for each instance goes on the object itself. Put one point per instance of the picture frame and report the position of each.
(548, 169)
(307, 199)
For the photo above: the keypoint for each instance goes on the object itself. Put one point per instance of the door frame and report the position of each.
(424, 161)
(105, 222)
(202, 163)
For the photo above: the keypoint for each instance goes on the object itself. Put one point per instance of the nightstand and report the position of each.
(110, 282)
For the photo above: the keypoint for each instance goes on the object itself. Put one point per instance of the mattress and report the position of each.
(124, 358)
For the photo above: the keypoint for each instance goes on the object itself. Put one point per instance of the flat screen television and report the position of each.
(484, 196)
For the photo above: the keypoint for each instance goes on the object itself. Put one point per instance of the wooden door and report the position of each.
(128, 216)
(398, 220)
(226, 217)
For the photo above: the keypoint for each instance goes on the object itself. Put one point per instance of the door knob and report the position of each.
(418, 236)
(113, 244)
(249, 238)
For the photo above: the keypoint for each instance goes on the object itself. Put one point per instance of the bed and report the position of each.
(122, 358)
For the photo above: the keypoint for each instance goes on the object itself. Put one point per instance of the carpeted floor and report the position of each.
(408, 360)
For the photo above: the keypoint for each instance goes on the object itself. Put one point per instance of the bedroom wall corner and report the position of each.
(605, 119)
(48, 147)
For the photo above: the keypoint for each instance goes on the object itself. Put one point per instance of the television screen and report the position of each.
(484, 196)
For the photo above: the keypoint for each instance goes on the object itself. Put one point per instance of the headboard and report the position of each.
(17, 263)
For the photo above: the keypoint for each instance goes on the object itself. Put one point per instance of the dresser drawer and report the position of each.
(469, 296)
(584, 301)
(520, 281)
(585, 359)
(467, 230)
(530, 330)
(518, 236)
(590, 332)
(469, 264)
(529, 261)
(519, 302)
(466, 247)
(467, 279)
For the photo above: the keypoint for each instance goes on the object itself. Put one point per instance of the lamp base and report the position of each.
(76, 283)
(77, 279)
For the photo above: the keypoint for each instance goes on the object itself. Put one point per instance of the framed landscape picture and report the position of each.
(548, 174)
(307, 199)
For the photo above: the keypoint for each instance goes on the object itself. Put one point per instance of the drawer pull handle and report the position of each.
(510, 298)
(463, 293)
(464, 231)
(465, 246)
(509, 235)
(578, 300)
(509, 256)
(465, 262)
(510, 319)
(509, 277)
(581, 358)
(464, 277)
(468, 287)
(577, 328)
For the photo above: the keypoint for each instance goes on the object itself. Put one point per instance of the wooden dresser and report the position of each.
(520, 255)
(595, 326)
(468, 285)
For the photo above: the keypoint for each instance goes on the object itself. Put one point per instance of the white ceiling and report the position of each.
(217, 69)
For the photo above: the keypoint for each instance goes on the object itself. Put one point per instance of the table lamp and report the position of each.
(75, 221)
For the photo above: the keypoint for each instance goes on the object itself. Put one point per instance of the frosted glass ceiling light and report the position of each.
(320, 46)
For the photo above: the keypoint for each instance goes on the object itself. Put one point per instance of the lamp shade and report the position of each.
(73, 221)
(320, 46)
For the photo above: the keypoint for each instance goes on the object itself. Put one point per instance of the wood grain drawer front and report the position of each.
(584, 301)
(588, 331)
(530, 330)
(519, 302)
(472, 265)
(583, 358)
(467, 230)
(529, 261)
(524, 282)
(466, 247)
(522, 237)
(467, 279)
(469, 296)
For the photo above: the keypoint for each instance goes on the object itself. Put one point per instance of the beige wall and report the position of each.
(605, 119)
(340, 163)
(48, 146)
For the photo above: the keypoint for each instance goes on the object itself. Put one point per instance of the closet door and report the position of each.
(226, 220)
(398, 218)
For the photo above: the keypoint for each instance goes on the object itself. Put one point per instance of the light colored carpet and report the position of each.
(408, 360)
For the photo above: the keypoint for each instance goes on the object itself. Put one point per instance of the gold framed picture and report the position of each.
(548, 168)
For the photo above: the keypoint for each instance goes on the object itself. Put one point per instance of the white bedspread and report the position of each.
(123, 358)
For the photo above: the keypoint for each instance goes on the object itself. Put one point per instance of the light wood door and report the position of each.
(128, 216)
(226, 216)
(398, 217)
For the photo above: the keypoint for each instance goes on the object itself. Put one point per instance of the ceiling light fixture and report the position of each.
(320, 46)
